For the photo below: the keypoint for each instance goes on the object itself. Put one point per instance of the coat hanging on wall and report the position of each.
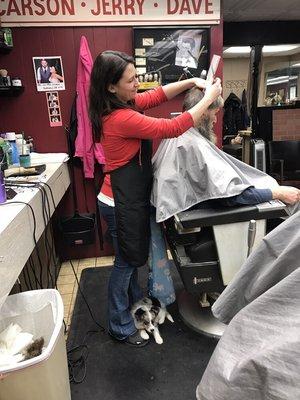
(234, 118)
(84, 141)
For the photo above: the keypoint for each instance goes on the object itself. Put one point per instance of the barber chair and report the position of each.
(209, 245)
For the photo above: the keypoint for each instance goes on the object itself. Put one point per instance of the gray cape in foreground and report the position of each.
(190, 169)
(258, 356)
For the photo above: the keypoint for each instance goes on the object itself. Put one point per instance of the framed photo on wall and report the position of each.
(163, 55)
(49, 74)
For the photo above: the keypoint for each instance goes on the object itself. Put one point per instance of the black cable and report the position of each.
(33, 185)
(46, 216)
(26, 271)
(102, 329)
(37, 282)
(77, 356)
(77, 360)
(25, 278)
(52, 234)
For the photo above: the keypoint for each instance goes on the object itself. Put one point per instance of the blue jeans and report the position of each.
(123, 287)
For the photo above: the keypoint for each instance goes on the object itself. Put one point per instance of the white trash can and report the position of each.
(46, 377)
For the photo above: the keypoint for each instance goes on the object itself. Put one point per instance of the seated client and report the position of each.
(190, 169)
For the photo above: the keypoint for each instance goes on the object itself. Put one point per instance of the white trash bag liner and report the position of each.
(39, 312)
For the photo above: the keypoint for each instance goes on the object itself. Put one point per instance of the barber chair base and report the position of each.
(199, 319)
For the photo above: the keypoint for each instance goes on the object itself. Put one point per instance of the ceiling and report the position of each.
(261, 10)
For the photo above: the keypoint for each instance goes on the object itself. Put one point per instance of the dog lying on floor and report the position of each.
(147, 314)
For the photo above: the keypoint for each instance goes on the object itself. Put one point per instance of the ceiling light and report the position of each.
(266, 49)
(279, 48)
(238, 49)
(280, 79)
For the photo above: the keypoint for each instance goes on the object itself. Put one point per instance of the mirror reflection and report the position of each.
(279, 77)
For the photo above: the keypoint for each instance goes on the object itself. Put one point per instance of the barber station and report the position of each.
(149, 200)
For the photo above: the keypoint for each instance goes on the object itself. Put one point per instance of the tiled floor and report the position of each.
(67, 284)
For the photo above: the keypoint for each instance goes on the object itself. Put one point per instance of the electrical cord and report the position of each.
(46, 213)
(48, 247)
(51, 233)
(102, 329)
(78, 355)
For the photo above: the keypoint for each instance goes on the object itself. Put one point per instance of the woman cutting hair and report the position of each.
(124, 201)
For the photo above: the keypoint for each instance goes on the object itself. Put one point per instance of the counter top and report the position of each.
(17, 224)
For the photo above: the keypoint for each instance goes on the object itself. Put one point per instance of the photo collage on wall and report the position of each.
(165, 55)
(54, 111)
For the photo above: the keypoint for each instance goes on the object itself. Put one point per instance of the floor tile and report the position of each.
(90, 262)
(104, 261)
(66, 270)
(65, 289)
(65, 279)
(67, 298)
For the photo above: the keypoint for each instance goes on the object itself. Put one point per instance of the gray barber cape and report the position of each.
(258, 356)
(190, 169)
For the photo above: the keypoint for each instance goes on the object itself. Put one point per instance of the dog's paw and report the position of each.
(170, 318)
(144, 335)
(159, 340)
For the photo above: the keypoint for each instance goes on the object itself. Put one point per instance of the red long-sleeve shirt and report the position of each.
(124, 129)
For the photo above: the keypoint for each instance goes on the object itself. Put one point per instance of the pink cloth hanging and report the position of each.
(84, 147)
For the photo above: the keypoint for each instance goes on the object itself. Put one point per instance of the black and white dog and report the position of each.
(147, 314)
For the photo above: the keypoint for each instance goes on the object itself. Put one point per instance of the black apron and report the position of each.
(131, 186)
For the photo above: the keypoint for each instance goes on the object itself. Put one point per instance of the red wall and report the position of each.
(286, 124)
(28, 112)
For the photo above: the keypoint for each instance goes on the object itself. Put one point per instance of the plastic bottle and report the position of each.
(8, 37)
(31, 144)
(13, 155)
(4, 147)
(2, 188)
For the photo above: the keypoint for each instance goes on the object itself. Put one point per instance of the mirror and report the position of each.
(279, 78)
(282, 85)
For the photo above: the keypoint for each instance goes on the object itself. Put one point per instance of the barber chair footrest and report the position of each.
(199, 319)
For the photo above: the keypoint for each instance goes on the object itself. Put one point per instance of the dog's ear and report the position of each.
(155, 301)
(155, 310)
(139, 313)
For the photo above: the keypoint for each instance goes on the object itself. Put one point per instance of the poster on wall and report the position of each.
(109, 12)
(165, 55)
(54, 111)
(48, 72)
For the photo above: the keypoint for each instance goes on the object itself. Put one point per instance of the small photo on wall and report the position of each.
(54, 111)
(48, 72)
(188, 50)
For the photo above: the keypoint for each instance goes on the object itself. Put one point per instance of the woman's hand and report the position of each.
(212, 92)
(199, 82)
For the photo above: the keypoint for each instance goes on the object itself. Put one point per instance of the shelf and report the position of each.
(5, 49)
(7, 91)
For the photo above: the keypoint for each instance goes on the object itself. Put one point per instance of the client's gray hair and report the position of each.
(192, 97)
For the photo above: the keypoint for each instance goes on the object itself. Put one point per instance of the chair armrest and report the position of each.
(226, 215)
